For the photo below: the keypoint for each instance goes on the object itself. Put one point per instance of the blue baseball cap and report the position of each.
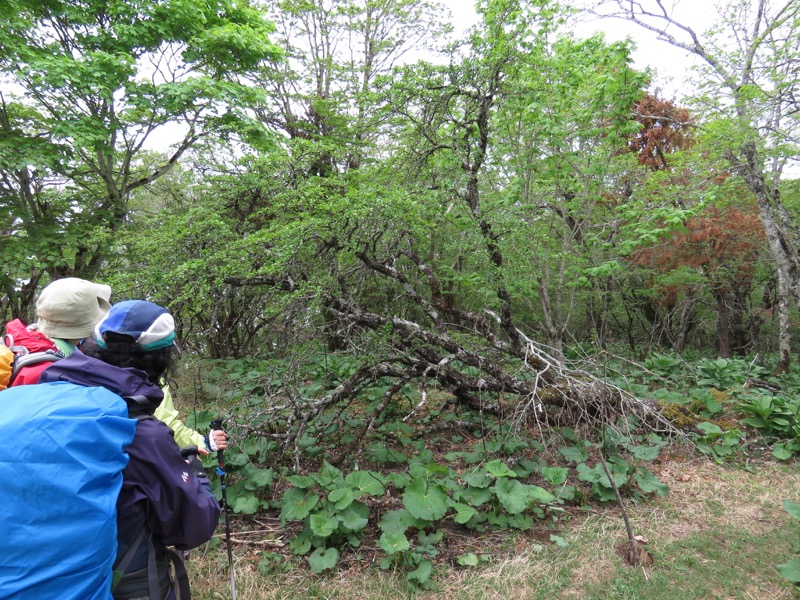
(149, 325)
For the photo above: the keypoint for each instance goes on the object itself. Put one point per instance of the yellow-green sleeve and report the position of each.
(184, 436)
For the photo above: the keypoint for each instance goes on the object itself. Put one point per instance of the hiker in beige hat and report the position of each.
(67, 311)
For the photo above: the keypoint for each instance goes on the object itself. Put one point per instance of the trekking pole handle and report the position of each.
(216, 425)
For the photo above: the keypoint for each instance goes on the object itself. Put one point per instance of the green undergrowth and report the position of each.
(424, 488)
(718, 535)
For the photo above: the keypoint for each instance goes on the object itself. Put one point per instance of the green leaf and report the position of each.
(329, 476)
(300, 544)
(464, 512)
(476, 496)
(792, 508)
(296, 504)
(322, 524)
(365, 482)
(393, 542)
(425, 501)
(497, 468)
(477, 478)
(791, 570)
(781, 452)
(301, 481)
(422, 573)
(259, 478)
(355, 517)
(322, 559)
(555, 475)
(341, 497)
(648, 482)
(647, 453)
(396, 521)
(574, 454)
(560, 541)
(511, 494)
(467, 560)
(246, 505)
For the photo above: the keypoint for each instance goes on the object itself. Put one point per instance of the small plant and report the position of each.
(771, 416)
(721, 373)
(664, 365)
(716, 441)
(327, 502)
(774, 418)
(791, 569)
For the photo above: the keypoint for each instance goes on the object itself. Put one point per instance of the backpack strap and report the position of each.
(34, 358)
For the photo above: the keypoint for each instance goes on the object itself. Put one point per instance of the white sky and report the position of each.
(671, 64)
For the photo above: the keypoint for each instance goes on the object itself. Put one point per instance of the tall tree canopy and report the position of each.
(91, 83)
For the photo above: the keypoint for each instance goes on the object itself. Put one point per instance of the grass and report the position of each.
(717, 535)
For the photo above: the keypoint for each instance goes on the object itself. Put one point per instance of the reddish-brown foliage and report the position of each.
(666, 128)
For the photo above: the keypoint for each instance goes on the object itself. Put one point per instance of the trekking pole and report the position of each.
(216, 425)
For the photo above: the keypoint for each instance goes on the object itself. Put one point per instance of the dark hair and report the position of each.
(121, 351)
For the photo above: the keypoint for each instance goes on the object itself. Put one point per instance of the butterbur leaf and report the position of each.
(791, 570)
(259, 478)
(365, 482)
(300, 545)
(792, 508)
(296, 504)
(512, 495)
(329, 475)
(355, 516)
(323, 524)
(422, 573)
(246, 505)
(648, 453)
(396, 521)
(555, 475)
(592, 475)
(424, 501)
(781, 452)
(477, 478)
(341, 497)
(392, 542)
(648, 482)
(476, 496)
(301, 481)
(464, 512)
(468, 560)
(574, 454)
(559, 541)
(535, 492)
(521, 522)
(497, 468)
(322, 559)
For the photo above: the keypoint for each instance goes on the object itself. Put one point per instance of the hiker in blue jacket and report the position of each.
(163, 501)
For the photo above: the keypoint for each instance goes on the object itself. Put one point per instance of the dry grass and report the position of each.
(718, 534)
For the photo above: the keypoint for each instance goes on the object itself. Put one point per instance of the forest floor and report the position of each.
(718, 534)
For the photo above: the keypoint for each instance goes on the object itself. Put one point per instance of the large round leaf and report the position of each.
(365, 482)
(355, 516)
(323, 524)
(296, 504)
(322, 559)
(396, 521)
(512, 495)
(425, 501)
(392, 542)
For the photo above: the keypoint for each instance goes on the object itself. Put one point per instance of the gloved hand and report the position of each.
(217, 439)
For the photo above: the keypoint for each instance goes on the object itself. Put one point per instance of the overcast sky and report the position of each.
(671, 64)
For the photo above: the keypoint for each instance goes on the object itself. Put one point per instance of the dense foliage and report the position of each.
(371, 232)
